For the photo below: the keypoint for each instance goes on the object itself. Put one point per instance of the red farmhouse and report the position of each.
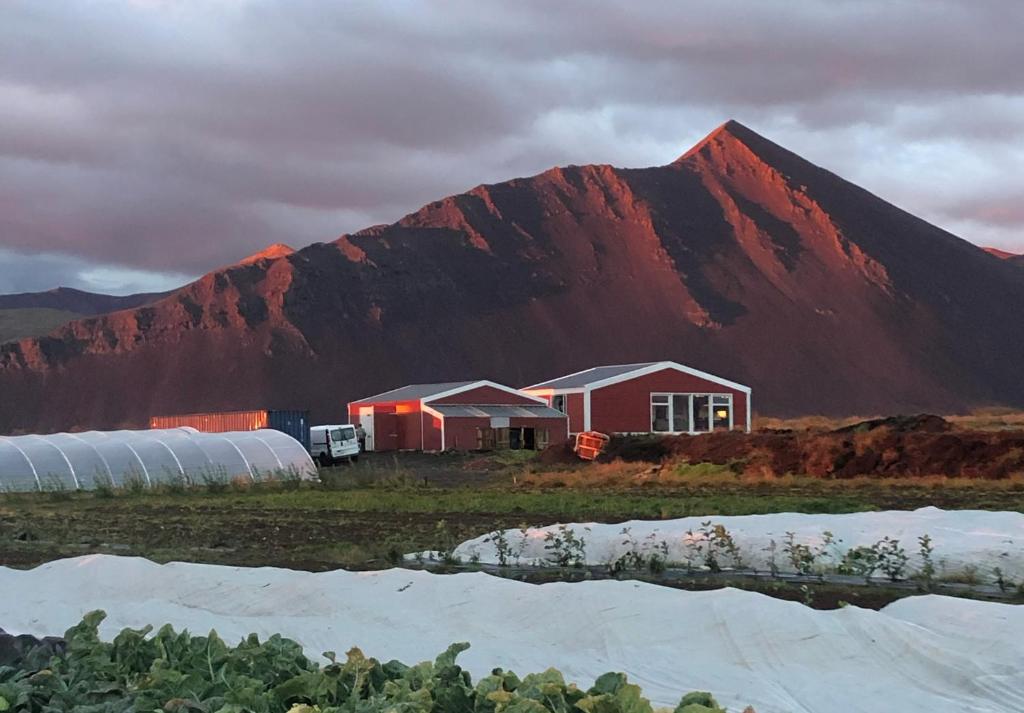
(656, 397)
(464, 415)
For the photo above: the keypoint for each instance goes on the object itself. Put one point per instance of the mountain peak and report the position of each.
(731, 130)
(271, 252)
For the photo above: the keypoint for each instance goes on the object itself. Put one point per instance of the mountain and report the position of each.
(31, 314)
(739, 258)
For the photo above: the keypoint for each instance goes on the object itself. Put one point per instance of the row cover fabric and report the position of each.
(72, 461)
(923, 653)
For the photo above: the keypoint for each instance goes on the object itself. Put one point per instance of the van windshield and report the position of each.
(345, 433)
(336, 435)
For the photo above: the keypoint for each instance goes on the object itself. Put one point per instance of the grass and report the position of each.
(368, 524)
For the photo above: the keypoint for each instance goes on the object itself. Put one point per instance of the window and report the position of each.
(690, 413)
(660, 416)
(701, 413)
(680, 412)
(558, 402)
(722, 416)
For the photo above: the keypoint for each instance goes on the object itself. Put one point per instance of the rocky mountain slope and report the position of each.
(739, 258)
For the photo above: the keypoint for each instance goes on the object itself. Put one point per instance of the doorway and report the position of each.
(366, 421)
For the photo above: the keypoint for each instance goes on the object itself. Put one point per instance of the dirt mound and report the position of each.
(925, 423)
(900, 446)
(558, 454)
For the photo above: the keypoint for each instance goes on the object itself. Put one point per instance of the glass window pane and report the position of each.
(701, 414)
(659, 418)
(722, 400)
(680, 412)
(722, 417)
(659, 398)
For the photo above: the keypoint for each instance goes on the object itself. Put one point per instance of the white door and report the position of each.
(366, 421)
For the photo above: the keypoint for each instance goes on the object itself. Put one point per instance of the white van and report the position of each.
(330, 444)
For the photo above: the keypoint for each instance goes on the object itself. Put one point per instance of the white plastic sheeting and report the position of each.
(982, 540)
(72, 461)
(928, 653)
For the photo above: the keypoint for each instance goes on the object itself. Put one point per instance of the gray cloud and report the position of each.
(172, 137)
(20, 272)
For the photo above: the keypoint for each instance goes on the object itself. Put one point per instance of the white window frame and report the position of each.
(689, 400)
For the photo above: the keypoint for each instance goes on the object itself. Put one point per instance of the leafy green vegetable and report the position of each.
(175, 672)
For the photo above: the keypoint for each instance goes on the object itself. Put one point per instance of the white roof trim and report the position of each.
(647, 368)
(477, 385)
(662, 365)
(432, 412)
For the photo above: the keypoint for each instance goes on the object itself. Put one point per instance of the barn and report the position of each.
(464, 415)
(653, 397)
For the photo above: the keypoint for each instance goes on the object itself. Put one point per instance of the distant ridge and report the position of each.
(80, 302)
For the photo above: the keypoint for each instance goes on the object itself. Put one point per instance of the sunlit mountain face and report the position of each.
(739, 258)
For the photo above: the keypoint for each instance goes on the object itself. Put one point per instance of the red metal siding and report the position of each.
(460, 432)
(626, 407)
(431, 432)
(485, 395)
(385, 431)
(574, 407)
(214, 422)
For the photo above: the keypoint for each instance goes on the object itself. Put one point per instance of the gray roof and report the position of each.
(413, 392)
(504, 411)
(581, 379)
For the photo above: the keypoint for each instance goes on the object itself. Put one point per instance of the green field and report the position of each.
(365, 516)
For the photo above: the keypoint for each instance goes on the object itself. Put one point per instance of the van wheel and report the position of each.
(325, 460)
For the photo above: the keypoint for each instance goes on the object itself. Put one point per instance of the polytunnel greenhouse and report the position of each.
(69, 461)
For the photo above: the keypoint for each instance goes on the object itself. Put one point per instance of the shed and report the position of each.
(652, 397)
(463, 415)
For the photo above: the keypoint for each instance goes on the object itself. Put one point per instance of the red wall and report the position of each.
(574, 407)
(431, 433)
(483, 396)
(460, 432)
(415, 430)
(626, 407)
(392, 430)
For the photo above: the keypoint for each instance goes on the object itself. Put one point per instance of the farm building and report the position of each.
(654, 397)
(464, 415)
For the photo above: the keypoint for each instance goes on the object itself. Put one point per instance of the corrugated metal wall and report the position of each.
(293, 422)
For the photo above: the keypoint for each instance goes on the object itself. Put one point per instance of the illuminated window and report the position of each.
(690, 413)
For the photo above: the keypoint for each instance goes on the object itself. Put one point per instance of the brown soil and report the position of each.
(900, 446)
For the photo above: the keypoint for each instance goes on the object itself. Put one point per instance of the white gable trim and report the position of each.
(477, 385)
(661, 366)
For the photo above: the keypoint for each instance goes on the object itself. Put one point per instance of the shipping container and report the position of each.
(294, 423)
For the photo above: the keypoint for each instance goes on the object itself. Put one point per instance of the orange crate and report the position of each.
(590, 444)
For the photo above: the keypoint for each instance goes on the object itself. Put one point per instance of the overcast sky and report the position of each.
(142, 143)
